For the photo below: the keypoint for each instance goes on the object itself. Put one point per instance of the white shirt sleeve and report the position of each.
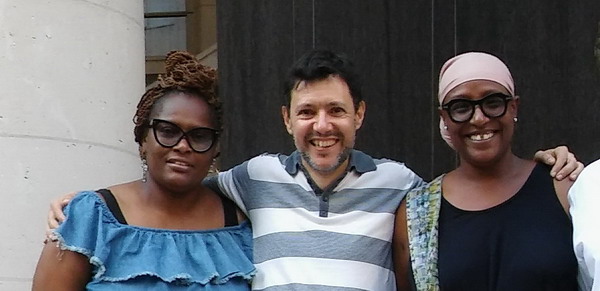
(584, 200)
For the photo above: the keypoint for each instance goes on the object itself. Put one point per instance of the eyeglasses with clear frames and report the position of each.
(492, 106)
(168, 134)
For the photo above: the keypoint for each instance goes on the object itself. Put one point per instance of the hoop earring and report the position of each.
(144, 170)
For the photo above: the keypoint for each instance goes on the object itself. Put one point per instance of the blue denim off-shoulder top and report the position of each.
(125, 257)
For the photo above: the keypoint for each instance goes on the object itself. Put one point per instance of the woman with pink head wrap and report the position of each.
(469, 67)
(497, 222)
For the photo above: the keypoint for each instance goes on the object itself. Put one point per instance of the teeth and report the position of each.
(483, 136)
(323, 143)
(181, 163)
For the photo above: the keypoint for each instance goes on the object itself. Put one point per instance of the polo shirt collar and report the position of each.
(359, 162)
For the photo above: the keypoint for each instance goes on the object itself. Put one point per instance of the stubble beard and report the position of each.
(341, 158)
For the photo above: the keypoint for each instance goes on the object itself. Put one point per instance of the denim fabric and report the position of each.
(127, 257)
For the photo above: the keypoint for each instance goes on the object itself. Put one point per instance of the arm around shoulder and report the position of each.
(563, 162)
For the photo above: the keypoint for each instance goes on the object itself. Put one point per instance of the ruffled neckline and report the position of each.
(121, 252)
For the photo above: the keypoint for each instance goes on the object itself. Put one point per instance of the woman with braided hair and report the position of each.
(165, 231)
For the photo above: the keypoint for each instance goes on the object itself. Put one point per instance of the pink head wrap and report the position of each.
(468, 67)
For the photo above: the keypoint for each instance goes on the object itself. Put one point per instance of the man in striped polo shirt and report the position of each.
(322, 217)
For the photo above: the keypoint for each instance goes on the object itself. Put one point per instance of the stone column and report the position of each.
(71, 73)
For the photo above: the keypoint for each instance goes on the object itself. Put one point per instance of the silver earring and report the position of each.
(144, 171)
(515, 119)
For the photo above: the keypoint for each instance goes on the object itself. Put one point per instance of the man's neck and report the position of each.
(325, 179)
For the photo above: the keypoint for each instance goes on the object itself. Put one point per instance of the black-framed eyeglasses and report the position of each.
(168, 134)
(492, 106)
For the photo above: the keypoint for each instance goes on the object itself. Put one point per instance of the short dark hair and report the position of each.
(319, 64)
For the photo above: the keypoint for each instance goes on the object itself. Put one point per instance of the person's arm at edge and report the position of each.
(61, 270)
(584, 198)
(564, 163)
(400, 249)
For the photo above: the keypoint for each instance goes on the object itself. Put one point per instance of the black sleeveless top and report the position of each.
(524, 243)
(229, 210)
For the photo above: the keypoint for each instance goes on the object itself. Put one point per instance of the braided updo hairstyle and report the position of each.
(184, 73)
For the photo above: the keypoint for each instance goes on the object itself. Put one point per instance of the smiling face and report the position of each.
(179, 168)
(481, 140)
(323, 121)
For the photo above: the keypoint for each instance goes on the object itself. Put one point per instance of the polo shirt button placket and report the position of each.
(324, 205)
